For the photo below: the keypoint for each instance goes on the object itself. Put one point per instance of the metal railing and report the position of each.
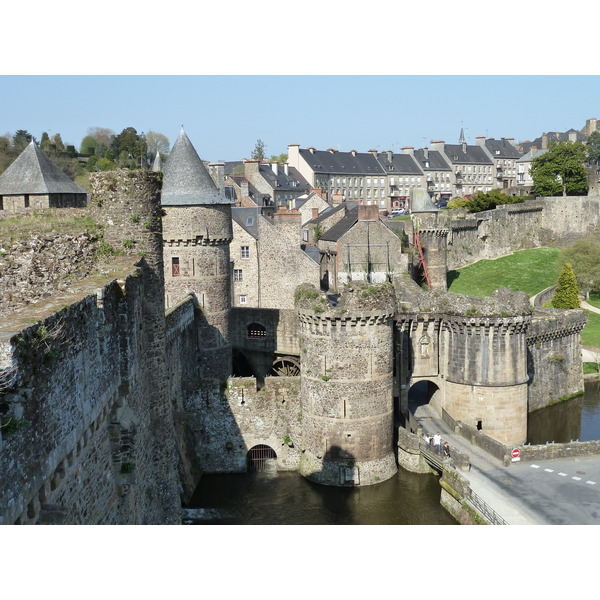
(484, 509)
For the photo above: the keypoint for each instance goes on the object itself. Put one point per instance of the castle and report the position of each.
(131, 383)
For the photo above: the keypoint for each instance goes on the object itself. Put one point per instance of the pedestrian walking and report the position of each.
(446, 450)
(437, 441)
(427, 440)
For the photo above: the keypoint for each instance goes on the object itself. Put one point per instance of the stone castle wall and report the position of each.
(508, 228)
(86, 450)
(554, 359)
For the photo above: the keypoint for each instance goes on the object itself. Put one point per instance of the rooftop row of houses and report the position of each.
(386, 179)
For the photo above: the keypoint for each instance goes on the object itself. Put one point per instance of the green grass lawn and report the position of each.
(529, 271)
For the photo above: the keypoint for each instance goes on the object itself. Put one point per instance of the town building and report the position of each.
(34, 181)
(504, 156)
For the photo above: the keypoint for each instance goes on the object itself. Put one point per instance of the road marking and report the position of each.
(535, 466)
(591, 482)
(563, 474)
(549, 470)
(576, 478)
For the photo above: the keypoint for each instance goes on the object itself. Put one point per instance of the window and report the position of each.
(175, 267)
(245, 252)
(243, 299)
(237, 275)
(256, 330)
(249, 221)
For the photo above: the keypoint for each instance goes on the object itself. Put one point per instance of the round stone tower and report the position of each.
(197, 231)
(486, 366)
(346, 384)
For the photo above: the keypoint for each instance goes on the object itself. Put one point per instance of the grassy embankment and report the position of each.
(529, 271)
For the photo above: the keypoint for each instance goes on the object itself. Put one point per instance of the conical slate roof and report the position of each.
(32, 172)
(420, 202)
(186, 180)
(157, 165)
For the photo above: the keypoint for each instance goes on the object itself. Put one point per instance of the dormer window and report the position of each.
(249, 221)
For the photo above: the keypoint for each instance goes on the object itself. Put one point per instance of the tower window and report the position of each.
(175, 272)
(243, 299)
(237, 274)
(245, 252)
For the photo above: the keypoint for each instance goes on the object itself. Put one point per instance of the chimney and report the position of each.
(544, 141)
(572, 136)
(312, 149)
(437, 145)
(330, 150)
(368, 212)
(294, 155)
(275, 168)
(408, 150)
(480, 140)
(286, 169)
(373, 152)
(426, 153)
(353, 152)
(390, 155)
(315, 213)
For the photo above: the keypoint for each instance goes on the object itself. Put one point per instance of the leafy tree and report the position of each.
(567, 291)
(458, 203)
(560, 171)
(21, 139)
(157, 142)
(259, 150)
(130, 148)
(88, 145)
(584, 256)
(484, 201)
(281, 159)
(593, 147)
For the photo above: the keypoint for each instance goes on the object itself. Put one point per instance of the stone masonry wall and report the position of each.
(554, 358)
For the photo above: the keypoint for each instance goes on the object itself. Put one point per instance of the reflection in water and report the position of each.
(289, 499)
(575, 419)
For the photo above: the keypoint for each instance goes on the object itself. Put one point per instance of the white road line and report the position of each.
(591, 482)
(535, 466)
(576, 478)
(549, 470)
(563, 474)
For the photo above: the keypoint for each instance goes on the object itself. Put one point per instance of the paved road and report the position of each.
(549, 492)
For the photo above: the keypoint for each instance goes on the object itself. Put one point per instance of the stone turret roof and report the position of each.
(157, 165)
(186, 181)
(420, 202)
(32, 172)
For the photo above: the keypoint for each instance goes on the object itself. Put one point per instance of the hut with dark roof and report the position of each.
(34, 181)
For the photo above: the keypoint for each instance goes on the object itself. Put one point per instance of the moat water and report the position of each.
(575, 419)
(290, 499)
(406, 499)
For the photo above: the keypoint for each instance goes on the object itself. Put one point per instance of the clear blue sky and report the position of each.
(323, 74)
(225, 115)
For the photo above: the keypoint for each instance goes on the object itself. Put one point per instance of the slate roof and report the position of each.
(32, 172)
(322, 161)
(533, 153)
(473, 155)
(247, 219)
(329, 211)
(401, 164)
(333, 234)
(293, 182)
(420, 201)
(436, 161)
(553, 136)
(502, 149)
(186, 181)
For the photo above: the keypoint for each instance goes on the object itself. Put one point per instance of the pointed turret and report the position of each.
(186, 181)
(157, 165)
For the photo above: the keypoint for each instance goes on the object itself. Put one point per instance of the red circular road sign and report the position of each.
(516, 453)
